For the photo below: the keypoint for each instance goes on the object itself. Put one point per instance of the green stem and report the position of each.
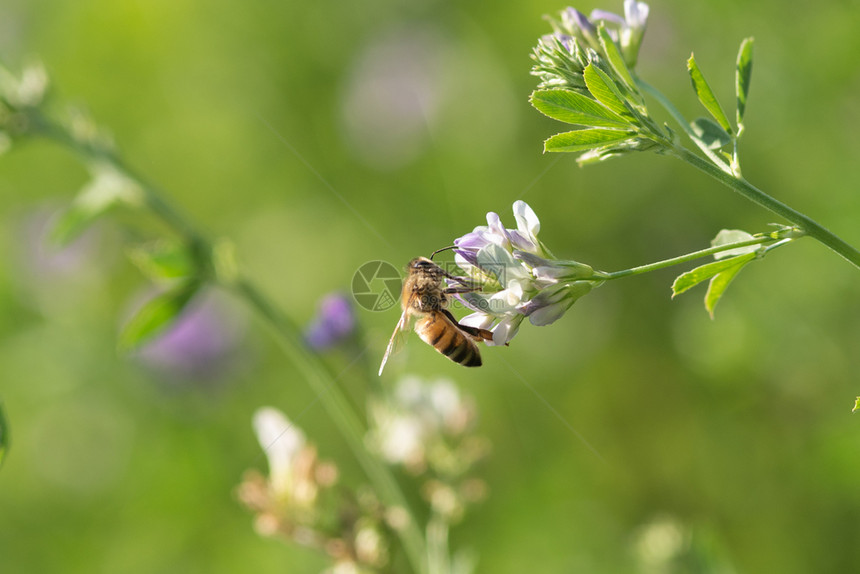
(682, 122)
(438, 554)
(754, 194)
(4, 435)
(287, 334)
(152, 195)
(717, 169)
(683, 258)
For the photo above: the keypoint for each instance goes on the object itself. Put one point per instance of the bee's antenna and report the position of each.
(432, 255)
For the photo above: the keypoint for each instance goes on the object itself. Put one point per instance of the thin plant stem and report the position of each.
(686, 258)
(287, 334)
(438, 555)
(754, 194)
(682, 122)
(722, 173)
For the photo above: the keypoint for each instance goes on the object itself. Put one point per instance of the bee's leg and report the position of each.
(475, 332)
(463, 289)
(461, 280)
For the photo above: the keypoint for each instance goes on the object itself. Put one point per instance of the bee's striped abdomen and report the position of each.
(444, 336)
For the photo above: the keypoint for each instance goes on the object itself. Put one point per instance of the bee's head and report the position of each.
(421, 263)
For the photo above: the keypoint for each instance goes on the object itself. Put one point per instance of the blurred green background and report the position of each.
(269, 123)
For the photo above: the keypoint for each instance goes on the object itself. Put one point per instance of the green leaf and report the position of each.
(706, 95)
(695, 276)
(720, 282)
(856, 405)
(616, 60)
(710, 133)
(743, 77)
(574, 108)
(729, 236)
(156, 315)
(107, 189)
(582, 140)
(604, 90)
(160, 260)
(4, 435)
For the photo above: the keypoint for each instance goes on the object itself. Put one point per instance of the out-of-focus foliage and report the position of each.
(322, 135)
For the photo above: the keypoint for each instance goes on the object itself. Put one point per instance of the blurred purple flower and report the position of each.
(46, 261)
(392, 95)
(334, 322)
(54, 279)
(202, 344)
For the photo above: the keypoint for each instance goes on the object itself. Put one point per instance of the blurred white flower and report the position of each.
(282, 442)
(26, 90)
(659, 542)
(426, 427)
(400, 437)
(295, 474)
(404, 428)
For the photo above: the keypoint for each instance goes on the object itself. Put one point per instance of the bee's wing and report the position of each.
(397, 338)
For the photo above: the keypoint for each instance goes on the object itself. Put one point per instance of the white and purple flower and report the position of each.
(629, 29)
(519, 277)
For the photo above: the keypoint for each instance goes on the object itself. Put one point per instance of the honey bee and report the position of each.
(424, 300)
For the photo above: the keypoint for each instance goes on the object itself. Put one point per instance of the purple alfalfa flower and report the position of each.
(518, 276)
(630, 28)
(552, 302)
(203, 343)
(334, 322)
(524, 238)
(469, 245)
(636, 15)
(580, 26)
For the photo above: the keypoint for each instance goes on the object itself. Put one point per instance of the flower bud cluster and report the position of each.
(561, 57)
(17, 95)
(296, 500)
